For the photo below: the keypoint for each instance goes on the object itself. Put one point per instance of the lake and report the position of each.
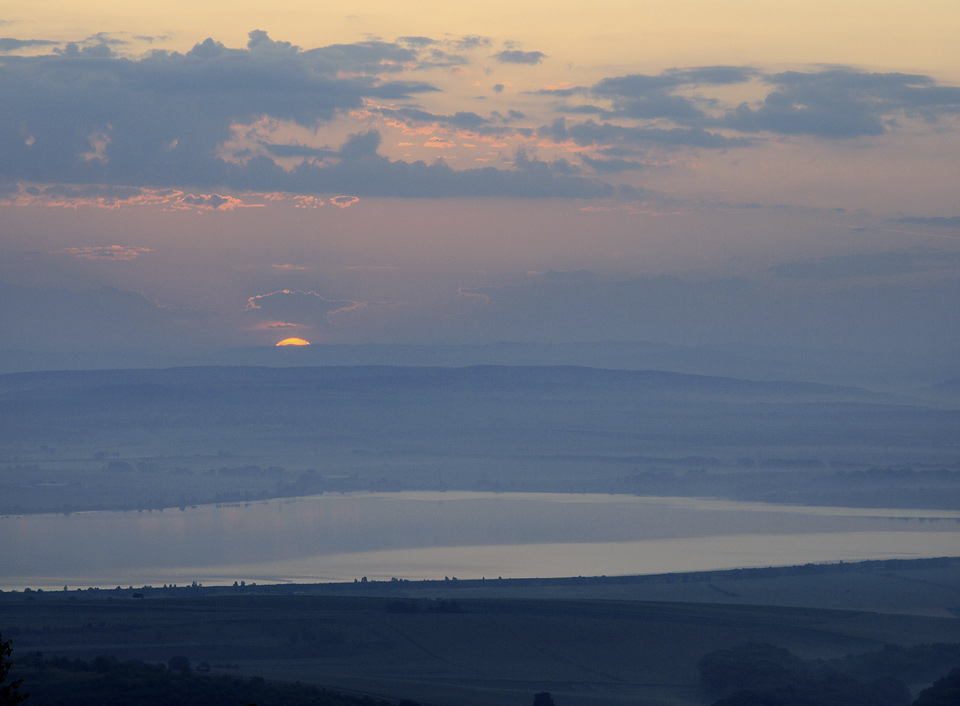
(469, 535)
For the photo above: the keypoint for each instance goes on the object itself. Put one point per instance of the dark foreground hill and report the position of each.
(463, 651)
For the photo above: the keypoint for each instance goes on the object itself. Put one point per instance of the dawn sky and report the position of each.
(196, 175)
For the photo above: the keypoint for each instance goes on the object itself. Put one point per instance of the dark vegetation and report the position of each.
(753, 674)
(10, 694)
(104, 681)
(146, 439)
(467, 651)
(943, 692)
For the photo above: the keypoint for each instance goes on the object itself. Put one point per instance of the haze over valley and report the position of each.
(451, 354)
(151, 439)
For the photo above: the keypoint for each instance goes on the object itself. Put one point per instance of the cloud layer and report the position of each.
(216, 117)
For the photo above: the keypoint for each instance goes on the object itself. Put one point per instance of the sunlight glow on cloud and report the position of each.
(105, 252)
(302, 201)
(117, 197)
(213, 202)
(98, 147)
(344, 201)
(215, 125)
(466, 293)
(313, 301)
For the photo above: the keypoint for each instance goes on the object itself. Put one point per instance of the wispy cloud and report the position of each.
(933, 221)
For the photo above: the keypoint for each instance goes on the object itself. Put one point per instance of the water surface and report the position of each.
(432, 535)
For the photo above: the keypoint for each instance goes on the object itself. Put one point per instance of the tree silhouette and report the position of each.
(543, 699)
(10, 694)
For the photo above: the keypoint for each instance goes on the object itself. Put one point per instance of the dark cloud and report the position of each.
(838, 103)
(105, 38)
(361, 146)
(639, 85)
(470, 41)
(459, 120)
(516, 56)
(498, 87)
(533, 164)
(370, 57)
(416, 42)
(439, 58)
(160, 120)
(108, 193)
(85, 115)
(842, 103)
(297, 150)
(583, 109)
(935, 221)
(657, 105)
(651, 96)
(885, 264)
(562, 92)
(511, 116)
(89, 116)
(8, 44)
(613, 166)
(211, 201)
(591, 133)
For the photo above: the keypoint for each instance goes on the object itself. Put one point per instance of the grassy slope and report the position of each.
(494, 651)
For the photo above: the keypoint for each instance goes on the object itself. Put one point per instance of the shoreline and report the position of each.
(393, 587)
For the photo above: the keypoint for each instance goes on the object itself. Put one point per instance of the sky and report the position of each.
(192, 176)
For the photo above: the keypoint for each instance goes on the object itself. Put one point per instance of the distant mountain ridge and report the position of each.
(872, 368)
(491, 377)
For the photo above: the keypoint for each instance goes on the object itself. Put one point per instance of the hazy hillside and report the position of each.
(177, 436)
(878, 367)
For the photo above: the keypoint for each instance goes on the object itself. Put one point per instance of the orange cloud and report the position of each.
(104, 252)
(211, 202)
(307, 202)
(266, 325)
(344, 201)
(115, 198)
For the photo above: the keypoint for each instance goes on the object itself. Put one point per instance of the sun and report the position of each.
(293, 342)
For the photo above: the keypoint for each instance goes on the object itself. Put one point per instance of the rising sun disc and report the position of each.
(293, 342)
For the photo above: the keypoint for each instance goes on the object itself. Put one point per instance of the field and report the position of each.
(442, 644)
